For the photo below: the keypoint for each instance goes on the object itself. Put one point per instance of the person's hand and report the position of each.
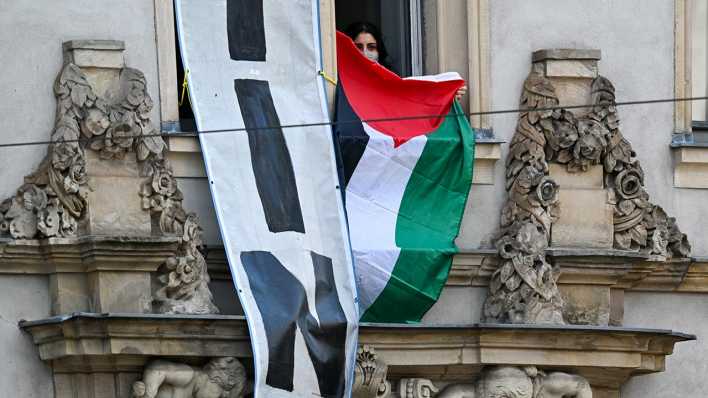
(460, 92)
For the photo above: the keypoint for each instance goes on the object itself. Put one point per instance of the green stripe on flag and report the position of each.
(428, 223)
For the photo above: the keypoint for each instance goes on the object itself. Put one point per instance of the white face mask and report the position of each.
(372, 55)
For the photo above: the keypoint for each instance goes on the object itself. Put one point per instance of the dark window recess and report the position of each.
(186, 116)
(392, 17)
(700, 132)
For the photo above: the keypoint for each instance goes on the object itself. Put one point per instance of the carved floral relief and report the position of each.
(523, 289)
(53, 200)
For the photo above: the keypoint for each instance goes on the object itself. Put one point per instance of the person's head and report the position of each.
(367, 38)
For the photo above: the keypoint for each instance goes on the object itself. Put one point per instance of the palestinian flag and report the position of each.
(407, 182)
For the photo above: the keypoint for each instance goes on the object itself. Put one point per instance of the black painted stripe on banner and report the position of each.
(326, 340)
(351, 139)
(282, 302)
(270, 157)
(246, 30)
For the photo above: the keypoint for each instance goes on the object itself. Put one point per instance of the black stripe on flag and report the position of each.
(246, 30)
(270, 157)
(282, 302)
(351, 137)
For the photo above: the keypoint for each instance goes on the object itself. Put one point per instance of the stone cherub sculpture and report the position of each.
(220, 378)
(527, 382)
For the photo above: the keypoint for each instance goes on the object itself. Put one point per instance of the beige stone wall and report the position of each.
(686, 368)
(22, 373)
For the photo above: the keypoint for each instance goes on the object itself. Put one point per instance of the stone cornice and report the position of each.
(607, 356)
(85, 254)
(629, 270)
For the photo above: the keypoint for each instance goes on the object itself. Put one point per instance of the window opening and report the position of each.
(399, 23)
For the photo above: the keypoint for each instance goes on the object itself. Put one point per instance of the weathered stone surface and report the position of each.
(121, 292)
(370, 375)
(571, 68)
(103, 114)
(566, 53)
(416, 388)
(590, 179)
(606, 357)
(69, 293)
(93, 44)
(102, 60)
(574, 92)
(586, 305)
(520, 382)
(98, 58)
(585, 220)
(523, 289)
(221, 377)
(115, 205)
(616, 307)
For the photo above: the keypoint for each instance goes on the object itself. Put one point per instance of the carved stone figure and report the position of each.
(220, 378)
(527, 382)
(416, 388)
(523, 289)
(53, 200)
(370, 375)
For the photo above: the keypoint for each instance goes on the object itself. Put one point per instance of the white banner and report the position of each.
(254, 64)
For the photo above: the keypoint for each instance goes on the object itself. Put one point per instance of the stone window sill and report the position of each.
(691, 160)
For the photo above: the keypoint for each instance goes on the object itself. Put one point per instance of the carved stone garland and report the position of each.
(54, 198)
(523, 289)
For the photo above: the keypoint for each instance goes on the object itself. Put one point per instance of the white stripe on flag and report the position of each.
(374, 195)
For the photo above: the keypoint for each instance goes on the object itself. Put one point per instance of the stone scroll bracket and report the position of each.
(573, 182)
(105, 182)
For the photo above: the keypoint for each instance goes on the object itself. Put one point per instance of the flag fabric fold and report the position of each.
(406, 152)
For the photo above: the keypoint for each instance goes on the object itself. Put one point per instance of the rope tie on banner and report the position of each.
(327, 77)
(185, 85)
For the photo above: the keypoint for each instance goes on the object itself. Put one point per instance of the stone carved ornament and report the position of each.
(220, 378)
(416, 388)
(523, 289)
(514, 382)
(370, 375)
(53, 199)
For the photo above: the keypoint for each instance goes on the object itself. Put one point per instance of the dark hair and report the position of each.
(357, 28)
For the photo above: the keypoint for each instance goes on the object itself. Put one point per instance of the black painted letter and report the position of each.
(282, 302)
(246, 31)
(270, 157)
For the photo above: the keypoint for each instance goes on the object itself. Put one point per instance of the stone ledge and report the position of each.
(629, 270)
(105, 45)
(106, 54)
(607, 356)
(565, 54)
(85, 254)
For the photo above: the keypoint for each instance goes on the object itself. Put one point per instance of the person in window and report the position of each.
(369, 41)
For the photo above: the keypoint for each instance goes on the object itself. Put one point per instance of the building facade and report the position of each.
(87, 305)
